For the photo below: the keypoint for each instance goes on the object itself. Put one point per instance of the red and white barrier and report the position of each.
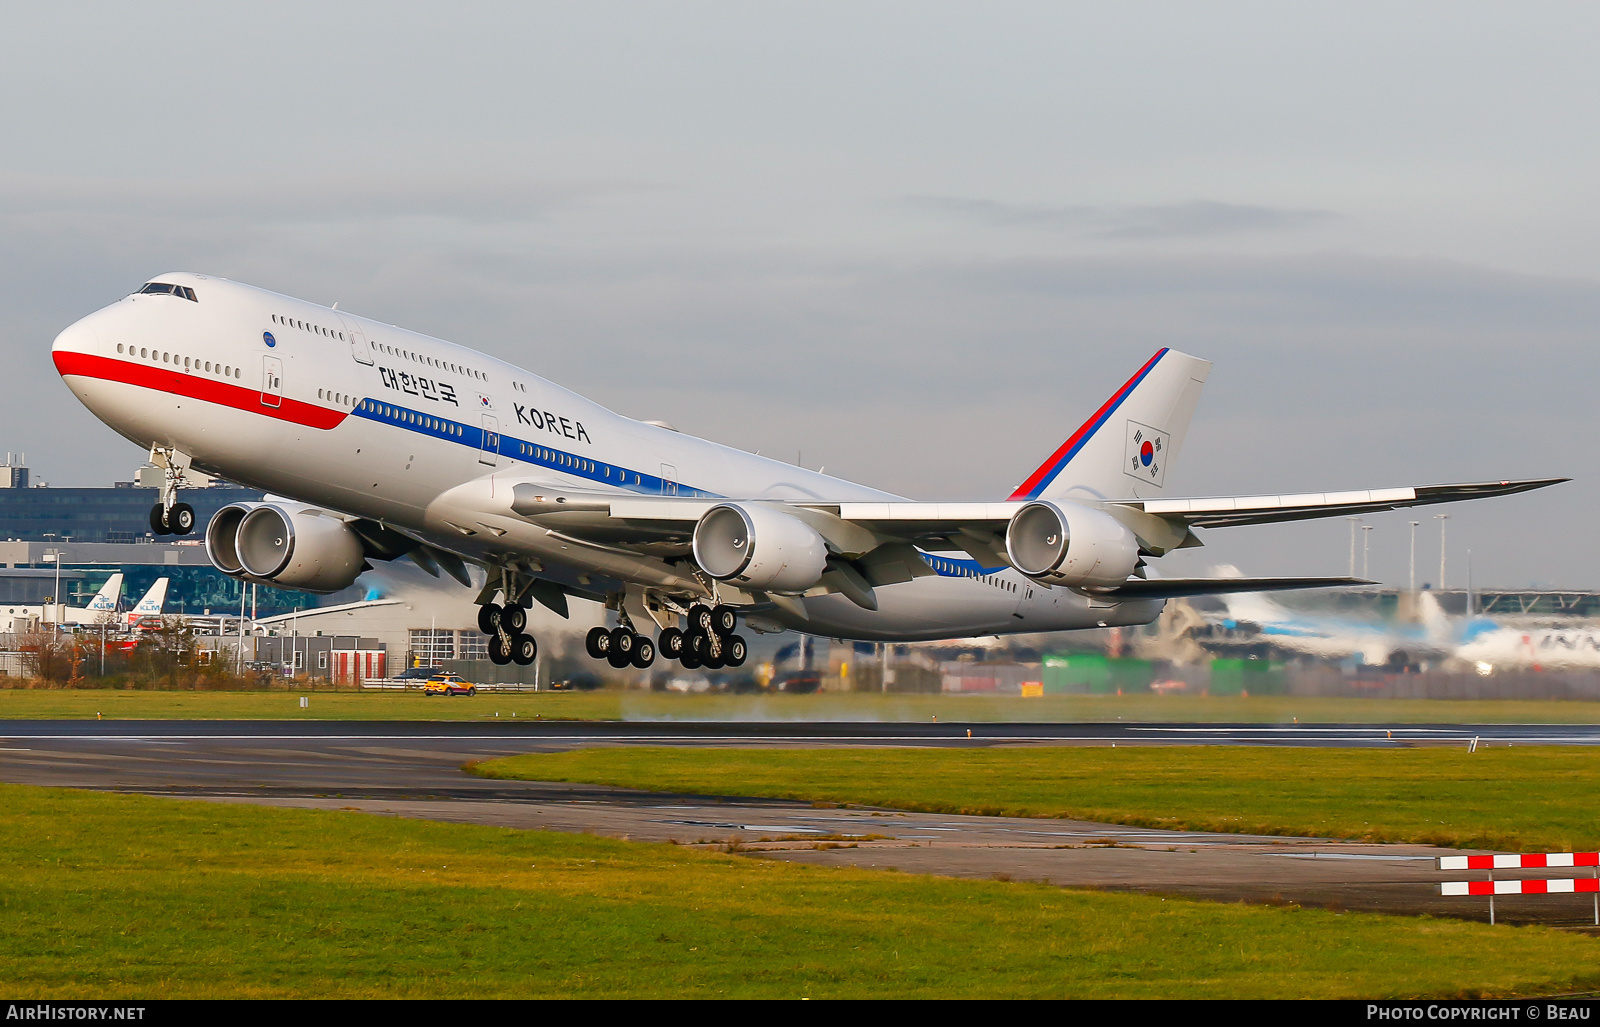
(1526, 861)
(1532, 886)
(1537, 886)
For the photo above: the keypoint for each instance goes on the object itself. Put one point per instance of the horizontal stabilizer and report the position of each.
(1174, 588)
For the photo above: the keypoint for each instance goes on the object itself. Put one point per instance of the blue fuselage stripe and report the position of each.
(523, 451)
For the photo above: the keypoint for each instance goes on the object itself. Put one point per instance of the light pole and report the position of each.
(1366, 551)
(1414, 555)
(54, 556)
(1441, 518)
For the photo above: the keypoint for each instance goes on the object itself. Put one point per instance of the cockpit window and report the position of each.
(165, 289)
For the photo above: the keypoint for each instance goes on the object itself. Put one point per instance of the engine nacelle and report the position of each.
(1071, 545)
(757, 547)
(289, 545)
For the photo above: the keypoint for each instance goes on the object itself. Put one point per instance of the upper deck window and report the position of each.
(165, 289)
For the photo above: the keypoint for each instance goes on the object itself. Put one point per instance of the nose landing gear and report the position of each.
(170, 517)
(177, 521)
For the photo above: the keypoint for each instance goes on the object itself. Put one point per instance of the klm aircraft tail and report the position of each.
(105, 600)
(153, 601)
(1127, 448)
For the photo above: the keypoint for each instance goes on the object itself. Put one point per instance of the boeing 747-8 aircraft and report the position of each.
(385, 443)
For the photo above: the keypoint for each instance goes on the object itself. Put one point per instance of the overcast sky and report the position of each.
(914, 242)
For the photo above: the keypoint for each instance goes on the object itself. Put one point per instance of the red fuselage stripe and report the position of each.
(195, 386)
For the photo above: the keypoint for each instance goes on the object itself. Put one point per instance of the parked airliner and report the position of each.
(101, 609)
(386, 443)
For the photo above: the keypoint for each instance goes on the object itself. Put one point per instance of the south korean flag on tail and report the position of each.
(1145, 456)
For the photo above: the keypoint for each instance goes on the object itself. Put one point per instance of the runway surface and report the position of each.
(413, 769)
(566, 733)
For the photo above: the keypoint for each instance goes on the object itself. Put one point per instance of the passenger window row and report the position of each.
(401, 416)
(187, 363)
(340, 398)
(560, 459)
(423, 358)
(306, 326)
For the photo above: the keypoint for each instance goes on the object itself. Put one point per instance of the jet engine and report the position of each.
(757, 547)
(1071, 545)
(289, 545)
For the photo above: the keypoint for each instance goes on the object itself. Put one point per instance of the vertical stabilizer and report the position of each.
(105, 600)
(1126, 450)
(153, 601)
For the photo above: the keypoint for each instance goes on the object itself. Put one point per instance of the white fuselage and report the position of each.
(378, 422)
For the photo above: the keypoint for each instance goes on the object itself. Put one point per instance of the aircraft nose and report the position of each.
(76, 338)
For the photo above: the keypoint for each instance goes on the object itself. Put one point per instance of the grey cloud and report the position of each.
(271, 200)
(1194, 219)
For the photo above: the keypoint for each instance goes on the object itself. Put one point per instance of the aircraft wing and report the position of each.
(1175, 588)
(1226, 512)
(663, 525)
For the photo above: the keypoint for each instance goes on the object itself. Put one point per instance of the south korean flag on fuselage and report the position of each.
(1145, 456)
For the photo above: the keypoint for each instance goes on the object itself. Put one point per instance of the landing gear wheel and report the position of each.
(489, 618)
(181, 519)
(711, 651)
(598, 643)
(623, 641)
(158, 520)
(514, 618)
(500, 648)
(644, 653)
(699, 618)
(724, 620)
(524, 650)
(734, 651)
(671, 643)
(692, 652)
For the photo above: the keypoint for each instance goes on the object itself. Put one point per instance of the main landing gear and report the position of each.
(707, 640)
(508, 641)
(621, 647)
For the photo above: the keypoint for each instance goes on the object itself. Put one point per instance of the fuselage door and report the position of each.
(489, 449)
(669, 480)
(271, 381)
(360, 348)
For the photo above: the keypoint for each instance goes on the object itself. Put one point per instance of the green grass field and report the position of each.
(27, 704)
(1530, 799)
(113, 896)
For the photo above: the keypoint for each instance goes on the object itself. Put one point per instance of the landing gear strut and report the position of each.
(170, 517)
